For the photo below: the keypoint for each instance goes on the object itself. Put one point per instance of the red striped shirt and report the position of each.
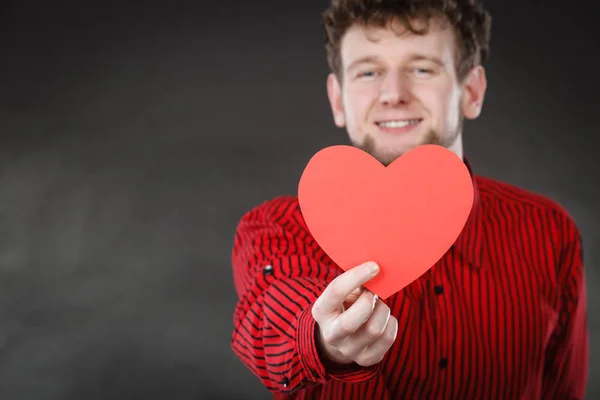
(501, 316)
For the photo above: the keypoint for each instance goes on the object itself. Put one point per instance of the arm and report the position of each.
(566, 358)
(279, 271)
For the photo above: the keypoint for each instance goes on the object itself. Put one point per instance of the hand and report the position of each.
(353, 324)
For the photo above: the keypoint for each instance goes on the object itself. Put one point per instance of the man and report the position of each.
(501, 316)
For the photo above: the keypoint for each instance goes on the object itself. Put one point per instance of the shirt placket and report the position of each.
(434, 322)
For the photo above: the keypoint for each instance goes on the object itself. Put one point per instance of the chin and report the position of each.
(391, 153)
(385, 153)
(387, 157)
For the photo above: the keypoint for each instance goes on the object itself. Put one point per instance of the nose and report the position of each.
(394, 91)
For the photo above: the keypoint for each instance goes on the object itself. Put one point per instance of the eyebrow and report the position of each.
(361, 60)
(412, 57)
(434, 59)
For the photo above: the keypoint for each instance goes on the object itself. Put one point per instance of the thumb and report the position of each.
(352, 297)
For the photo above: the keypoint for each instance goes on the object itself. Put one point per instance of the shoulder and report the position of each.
(524, 204)
(281, 210)
(276, 207)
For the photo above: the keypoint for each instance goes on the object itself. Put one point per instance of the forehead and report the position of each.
(396, 42)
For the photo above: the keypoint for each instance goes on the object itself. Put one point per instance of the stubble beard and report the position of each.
(431, 137)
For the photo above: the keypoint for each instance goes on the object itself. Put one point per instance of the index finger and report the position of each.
(340, 288)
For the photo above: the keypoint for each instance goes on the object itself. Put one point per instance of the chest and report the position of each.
(475, 330)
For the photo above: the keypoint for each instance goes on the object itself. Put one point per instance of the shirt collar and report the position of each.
(470, 241)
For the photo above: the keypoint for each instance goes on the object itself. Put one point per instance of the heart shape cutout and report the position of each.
(404, 216)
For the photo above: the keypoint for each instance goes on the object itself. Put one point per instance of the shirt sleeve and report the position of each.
(279, 271)
(566, 359)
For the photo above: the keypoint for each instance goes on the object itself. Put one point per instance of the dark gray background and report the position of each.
(133, 138)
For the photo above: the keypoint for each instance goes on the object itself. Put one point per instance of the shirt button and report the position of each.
(443, 363)
(268, 270)
(438, 290)
(285, 382)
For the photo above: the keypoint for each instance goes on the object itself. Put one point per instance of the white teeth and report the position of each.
(398, 124)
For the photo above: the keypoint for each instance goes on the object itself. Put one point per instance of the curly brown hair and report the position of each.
(471, 22)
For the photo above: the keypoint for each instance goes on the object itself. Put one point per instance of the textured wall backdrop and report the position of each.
(133, 138)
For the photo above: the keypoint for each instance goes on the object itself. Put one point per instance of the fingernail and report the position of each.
(373, 268)
(375, 297)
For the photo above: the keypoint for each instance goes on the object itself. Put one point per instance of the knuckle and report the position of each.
(362, 361)
(328, 336)
(368, 360)
(335, 289)
(373, 331)
(316, 310)
(344, 328)
(345, 351)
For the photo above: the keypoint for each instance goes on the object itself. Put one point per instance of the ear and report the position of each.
(474, 88)
(334, 92)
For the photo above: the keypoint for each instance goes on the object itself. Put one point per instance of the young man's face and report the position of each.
(401, 91)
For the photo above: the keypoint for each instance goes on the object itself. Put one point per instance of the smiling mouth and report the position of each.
(400, 123)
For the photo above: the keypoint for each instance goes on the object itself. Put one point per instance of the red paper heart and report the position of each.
(405, 216)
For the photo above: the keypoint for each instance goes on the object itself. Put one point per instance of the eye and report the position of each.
(366, 74)
(423, 71)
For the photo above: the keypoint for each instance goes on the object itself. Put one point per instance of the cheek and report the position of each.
(454, 109)
(358, 102)
(442, 103)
